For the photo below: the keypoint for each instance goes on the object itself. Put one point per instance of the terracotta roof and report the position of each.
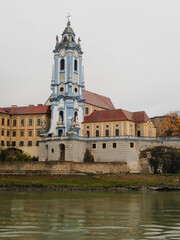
(98, 100)
(2, 110)
(28, 110)
(116, 115)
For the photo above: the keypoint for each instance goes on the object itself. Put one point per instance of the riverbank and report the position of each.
(106, 182)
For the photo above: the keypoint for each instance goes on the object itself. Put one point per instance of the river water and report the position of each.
(89, 215)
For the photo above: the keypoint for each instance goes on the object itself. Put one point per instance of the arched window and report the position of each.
(62, 64)
(97, 133)
(117, 132)
(138, 133)
(86, 110)
(65, 39)
(75, 116)
(61, 116)
(107, 133)
(87, 133)
(75, 65)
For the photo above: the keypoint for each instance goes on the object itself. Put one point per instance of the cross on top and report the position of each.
(68, 16)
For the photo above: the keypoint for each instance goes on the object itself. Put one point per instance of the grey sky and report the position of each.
(131, 50)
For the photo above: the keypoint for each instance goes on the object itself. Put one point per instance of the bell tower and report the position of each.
(67, 85)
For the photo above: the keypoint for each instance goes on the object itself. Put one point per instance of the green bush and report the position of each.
(14, 154)
(88, 157)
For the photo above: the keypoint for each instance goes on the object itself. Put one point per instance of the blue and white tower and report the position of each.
(67, 109)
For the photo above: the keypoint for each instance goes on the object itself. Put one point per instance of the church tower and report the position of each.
(67, 109)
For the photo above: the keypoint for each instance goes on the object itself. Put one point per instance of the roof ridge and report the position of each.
(100, 96)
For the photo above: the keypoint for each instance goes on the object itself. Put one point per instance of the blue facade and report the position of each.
(67, 110)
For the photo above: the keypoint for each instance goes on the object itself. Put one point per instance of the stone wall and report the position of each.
(55, 167)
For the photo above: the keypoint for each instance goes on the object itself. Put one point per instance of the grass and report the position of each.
(90, 181)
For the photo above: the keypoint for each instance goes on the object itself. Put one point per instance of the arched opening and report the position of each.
(62, 64)
(61, 116)
(87, 133)
(46, 153)
(65, 39)
(138, 133)
(107, 133)
(86, 110)
(60, 132)
(97, 133)
(75, 65)
(117, 132)
(62, 152)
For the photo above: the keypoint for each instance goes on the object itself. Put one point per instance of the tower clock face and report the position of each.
(75, 53)
(62, 52)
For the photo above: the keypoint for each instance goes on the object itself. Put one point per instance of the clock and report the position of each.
(75, 53)
(62, 52)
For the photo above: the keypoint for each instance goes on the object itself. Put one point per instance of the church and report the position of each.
(74, 119)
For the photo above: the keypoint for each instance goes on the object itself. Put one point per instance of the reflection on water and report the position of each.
(89, 215)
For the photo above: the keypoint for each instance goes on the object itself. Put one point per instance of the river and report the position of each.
(89, 215)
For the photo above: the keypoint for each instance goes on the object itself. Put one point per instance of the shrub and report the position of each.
(88, 157)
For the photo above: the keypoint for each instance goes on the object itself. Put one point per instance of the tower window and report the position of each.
(75, 65)
(97, 133)
(117, 132)
(61, 116)
(62, 64)
(75, 116)
(65, 39)
(61, 89)
(75, 90)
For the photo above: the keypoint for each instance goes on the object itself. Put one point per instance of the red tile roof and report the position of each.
(44, 109)
(98, 100)
(116, 115)
(2, 111)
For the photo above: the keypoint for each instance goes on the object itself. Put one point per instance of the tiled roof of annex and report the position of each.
(2, 111)
(98, 100)
(28, 110)
(116, 115)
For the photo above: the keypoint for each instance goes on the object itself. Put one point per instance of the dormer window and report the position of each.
(75, 65)
(62, 64)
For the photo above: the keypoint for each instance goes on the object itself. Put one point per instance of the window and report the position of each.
(13, 143)
(2, 121)
(62, 64)
(38, 133)
(8, 143)
(22, 122)
(61, 89)
(14, 134)
(52, 150)
(87, 133)
(2, 143)
(22, 133)
(131, 145)
(61, 116)
(8, 122)
(75, 65)
(103, 145)
(7, 133)
(30, 133)
(21, 143)
(107, 126)
(29, 143)
(86, 110)
(107, 133)
(75, 90)
(138, 133)
(38, 122)
(14, 122)
(2, 133)
(30, 122)
(114, 145)
(117, 132)
(37, 143)
(97, 133)
(94, 145)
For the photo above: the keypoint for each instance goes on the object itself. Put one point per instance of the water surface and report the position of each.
(89, 215)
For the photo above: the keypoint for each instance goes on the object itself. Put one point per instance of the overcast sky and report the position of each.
(131, 50)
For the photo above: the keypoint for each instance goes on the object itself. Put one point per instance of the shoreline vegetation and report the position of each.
(91, 182)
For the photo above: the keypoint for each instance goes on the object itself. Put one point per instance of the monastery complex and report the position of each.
(74, 119)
